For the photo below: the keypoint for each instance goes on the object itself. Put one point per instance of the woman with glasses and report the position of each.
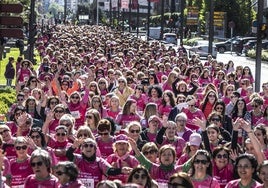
(245, 169)
(181, 87)
(53, 118)
(37, 140)
(208, 102)
(182, 130)
(40, 162)
(151, 109)
(166, 167)
(246, 73)
(150, 151)
(24, 73)
(92, 119)
(20, 167)
(220, 109)
(59, 142)
(219, 78)
(96, 103)
(227, 93)
(104, 139)
(180, 180)
(19, 102)
(201, 170)
(67, 173)
(141, 176)
(171, 78)
(68, 121)
(222, 166)
(155, 93)
(133, 131)
(78, 106)
(91, 168)
(8, 142)
(191, 112)
(93, 87)
(149, 134)
(256, 112)
(123, 91)
(33, 83)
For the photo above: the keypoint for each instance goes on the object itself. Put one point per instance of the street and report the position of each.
(245, 61)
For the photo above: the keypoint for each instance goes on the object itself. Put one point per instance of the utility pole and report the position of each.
(211, 27)
(148, 19)
(162, 19)
(32, 32)
(259, 48)
(182, 21)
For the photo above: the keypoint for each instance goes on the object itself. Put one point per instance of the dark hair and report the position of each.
(70, 169)
(157, 88)
(41, 134)
(138, 169)
(261, 127)
(252, 160)
(205, 153)
(185, 179)
(218, 150)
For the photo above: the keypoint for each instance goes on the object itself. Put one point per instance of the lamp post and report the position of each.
(211, 27)
(97, 21)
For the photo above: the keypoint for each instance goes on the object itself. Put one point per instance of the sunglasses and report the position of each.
(66, 124)
(24, 147)
(54, 102)
(139, 88)
(224, 156)
(181, 120)
(197, 161)
(103, 134)
(18, 113)
(137, 176)
(20, 99)
(255, 106)
(33, 81)
(211, 95)
(121, 82)
(88, 145)
(216, 119)
(219, 108)
(150, 152)
(4, 131)
(74, 97)
(61, 134)
(134, 131)
(39, 163)
(175, 185)
(96, 101)
(58, 111)
(35, 137)
(60, 173)
(102, 83)
(93, 86)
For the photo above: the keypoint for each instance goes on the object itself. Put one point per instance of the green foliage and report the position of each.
(264, 54)
(192, 41)
(7, 98)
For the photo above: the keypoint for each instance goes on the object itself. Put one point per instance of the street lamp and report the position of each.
(97, 22)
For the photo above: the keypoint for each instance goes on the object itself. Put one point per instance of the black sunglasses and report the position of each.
(61, 134)
(24, 147)
(197, 161)
(103, 134)
(150, 152)
(59, 173)
(88, 145)
(39, 163)
(137, 176)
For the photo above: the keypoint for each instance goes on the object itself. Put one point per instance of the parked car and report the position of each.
(248, 46)
(238, 44)
(170, 38)
(202, 50)
(226, 45)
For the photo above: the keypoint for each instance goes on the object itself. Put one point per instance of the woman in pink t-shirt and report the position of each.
(201, 170)
(113, 107)
(246, 169)
(263, 171)
(41, 165)
(168, 102)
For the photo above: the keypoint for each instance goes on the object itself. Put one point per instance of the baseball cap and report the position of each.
(154, 117)
(121, 138)
(195, 139)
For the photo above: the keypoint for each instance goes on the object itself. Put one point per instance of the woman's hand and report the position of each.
(126, 170)
(201, 123)
(245, 125)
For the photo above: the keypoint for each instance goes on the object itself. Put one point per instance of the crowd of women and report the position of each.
(107, 109)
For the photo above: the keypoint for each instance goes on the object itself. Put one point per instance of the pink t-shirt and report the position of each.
(20, 171)
(91, 172)
(235, 184)
(32, 182)
(206, 183)
(191, 115)
(106, 148)
(224, 175)
(124, 120)
(178, 143)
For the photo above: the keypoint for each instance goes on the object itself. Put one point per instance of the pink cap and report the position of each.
(195, 139)
(121, 138)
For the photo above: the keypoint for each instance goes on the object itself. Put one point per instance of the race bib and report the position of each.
(75, 114)
(162, 185)
(88, 183)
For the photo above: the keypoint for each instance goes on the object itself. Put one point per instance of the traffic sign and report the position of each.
(11, 8)
(11, 32)
(8, 20)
